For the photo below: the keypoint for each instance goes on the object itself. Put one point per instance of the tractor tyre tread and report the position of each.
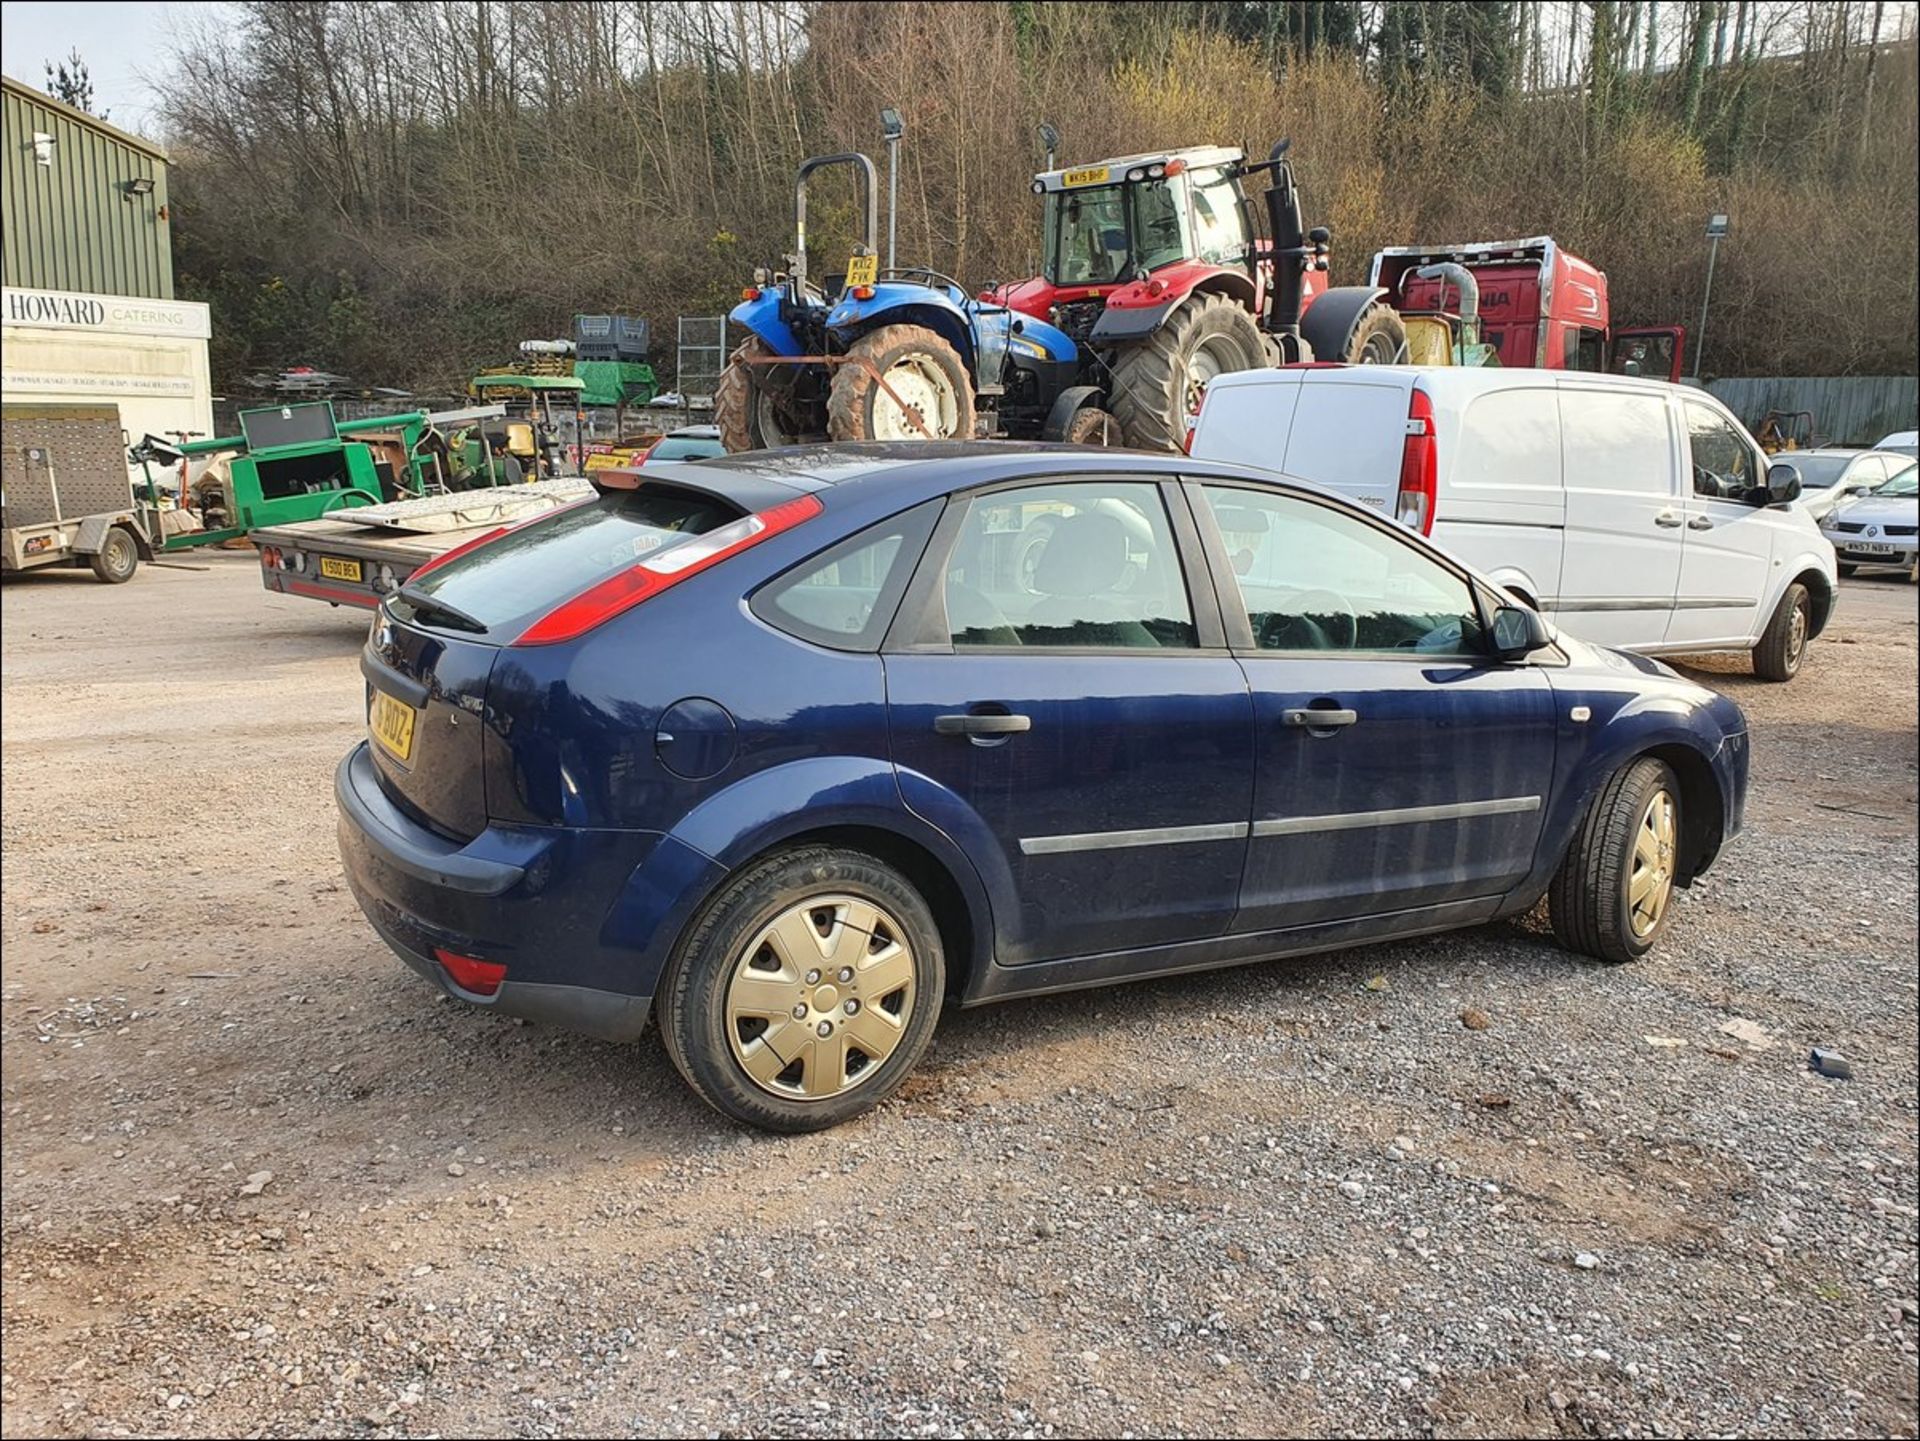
(1149, 378)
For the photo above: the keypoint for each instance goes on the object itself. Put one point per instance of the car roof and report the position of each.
(911, 471)
(1825, 450)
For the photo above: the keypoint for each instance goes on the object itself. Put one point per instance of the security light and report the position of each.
(142, 185)
(1716, 226)
(891, 125)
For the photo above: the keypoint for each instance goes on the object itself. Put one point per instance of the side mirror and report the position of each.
(1519, 631)
(1783, 483)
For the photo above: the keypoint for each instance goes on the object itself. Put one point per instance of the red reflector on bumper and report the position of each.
(482, 978)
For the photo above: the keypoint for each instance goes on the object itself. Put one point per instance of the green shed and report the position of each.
(85, 203)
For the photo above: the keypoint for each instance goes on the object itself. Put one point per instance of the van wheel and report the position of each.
(1613, 894)
(806, 991)
(117, 558)
(1783, 645)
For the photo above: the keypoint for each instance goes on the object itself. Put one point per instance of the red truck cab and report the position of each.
(1540, 305)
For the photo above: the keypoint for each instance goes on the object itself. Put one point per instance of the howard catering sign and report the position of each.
(104, 314)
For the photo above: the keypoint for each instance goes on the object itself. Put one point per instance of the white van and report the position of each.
(1635, 513)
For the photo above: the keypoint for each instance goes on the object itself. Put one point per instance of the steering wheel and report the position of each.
(1282, 630)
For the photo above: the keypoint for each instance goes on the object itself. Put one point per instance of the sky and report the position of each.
(124, 44)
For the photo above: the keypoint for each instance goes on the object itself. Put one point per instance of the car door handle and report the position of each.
(1668, 519)
(1308, 718)
(981, 725)
(1700, 522)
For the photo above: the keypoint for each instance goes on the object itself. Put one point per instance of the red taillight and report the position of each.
(1419, 467)
(627, 588)
(482, 978)
(269, 557)
(862, 292)
(751, 292)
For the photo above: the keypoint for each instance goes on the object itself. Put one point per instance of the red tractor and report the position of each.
(1153, 272)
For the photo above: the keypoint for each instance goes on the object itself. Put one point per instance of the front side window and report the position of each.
(1903, 486)
(1314, 580)
(1086, 564)
(1723, 463)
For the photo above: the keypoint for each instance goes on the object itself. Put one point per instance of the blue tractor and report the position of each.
(871, 354)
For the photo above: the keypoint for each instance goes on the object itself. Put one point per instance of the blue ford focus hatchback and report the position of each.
(790, 749)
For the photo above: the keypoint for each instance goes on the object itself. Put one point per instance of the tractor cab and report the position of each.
(1124, 220)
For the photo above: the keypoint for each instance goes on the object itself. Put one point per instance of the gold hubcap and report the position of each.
(1650, 886)
(820, 998)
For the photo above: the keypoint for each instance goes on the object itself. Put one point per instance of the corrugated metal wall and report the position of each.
(1847, 409)
(71, 225)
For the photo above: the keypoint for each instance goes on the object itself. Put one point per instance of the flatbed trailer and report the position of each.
(359, 557)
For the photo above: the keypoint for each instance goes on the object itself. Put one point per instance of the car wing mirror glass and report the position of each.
(1519, 631)
(1783, 483)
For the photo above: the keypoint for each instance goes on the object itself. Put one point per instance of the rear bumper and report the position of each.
(533, 900)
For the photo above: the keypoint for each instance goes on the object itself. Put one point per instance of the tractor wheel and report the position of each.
(1158, 383)
(926, 376)
(1093, 426)
(1379, 339)
(750, 417)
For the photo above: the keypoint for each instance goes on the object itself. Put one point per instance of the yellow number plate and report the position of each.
(863, 270)
(333, 568)
(1087, 175)
(391, 722)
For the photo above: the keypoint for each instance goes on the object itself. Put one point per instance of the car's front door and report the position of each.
(1728, 551)
(1061, 704)
(1396, 766)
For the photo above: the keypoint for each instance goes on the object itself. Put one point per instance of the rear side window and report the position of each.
(1511, 438)
(1616, 441)
(844, 598)
(530, 570)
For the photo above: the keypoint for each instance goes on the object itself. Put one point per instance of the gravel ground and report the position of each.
(260, 1180)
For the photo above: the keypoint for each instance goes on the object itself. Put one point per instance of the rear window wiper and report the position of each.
(429, 605)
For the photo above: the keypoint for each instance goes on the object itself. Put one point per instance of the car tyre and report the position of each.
(764, 968)
(1613, 894)
(1783, 644)
(117, 559)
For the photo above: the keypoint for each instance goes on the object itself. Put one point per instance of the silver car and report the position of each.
(1879, 528)
(1830, 475)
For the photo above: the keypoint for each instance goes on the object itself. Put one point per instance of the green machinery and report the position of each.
(298, 462)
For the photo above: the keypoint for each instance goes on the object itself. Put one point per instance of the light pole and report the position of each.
(1716, 227)
(892, 127)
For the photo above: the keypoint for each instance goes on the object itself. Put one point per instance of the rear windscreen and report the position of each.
(684, 448)
(514, 580)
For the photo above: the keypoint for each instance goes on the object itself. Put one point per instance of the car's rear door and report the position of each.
(1060, 702)
(1396, 767)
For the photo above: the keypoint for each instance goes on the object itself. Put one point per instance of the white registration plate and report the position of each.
(1871, 547)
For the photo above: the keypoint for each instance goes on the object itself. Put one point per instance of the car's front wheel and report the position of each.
(806, 991)
(1783, 645)
(1613, 893)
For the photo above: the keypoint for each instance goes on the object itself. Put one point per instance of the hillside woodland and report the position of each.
(402, 191)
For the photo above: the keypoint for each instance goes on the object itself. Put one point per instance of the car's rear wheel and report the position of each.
(1613, 894)
(1783, 645)
(806, 991)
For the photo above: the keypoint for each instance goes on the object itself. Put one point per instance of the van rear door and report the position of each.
(1350, 430)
